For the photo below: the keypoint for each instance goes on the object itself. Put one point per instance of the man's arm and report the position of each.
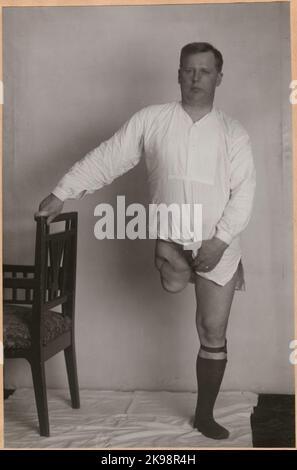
(237, 212)
(99, 167)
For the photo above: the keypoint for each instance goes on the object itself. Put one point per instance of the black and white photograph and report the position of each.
(148, 267)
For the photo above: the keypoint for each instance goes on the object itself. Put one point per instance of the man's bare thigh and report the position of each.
(214, 301)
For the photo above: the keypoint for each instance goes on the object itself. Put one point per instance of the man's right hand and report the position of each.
(50, 207)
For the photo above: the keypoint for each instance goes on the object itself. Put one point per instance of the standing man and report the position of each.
(195, 154)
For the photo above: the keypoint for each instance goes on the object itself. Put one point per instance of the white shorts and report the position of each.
(227, 266)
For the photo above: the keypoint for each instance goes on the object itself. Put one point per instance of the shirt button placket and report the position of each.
(191, 147)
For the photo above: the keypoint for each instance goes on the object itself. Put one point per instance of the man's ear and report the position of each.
(219, 78)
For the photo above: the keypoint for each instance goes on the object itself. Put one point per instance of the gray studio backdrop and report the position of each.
(72, 76)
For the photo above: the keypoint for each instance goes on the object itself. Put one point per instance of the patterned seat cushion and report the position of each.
(17, 322)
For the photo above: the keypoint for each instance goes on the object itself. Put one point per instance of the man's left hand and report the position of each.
(209, 254)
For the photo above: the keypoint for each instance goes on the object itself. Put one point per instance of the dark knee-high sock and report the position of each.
(210, 374)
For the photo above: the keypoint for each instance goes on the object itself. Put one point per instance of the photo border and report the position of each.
(76, 3)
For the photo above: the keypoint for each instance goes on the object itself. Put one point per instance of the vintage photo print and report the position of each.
(148, 225)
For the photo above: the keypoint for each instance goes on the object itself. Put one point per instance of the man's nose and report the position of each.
(196, 76)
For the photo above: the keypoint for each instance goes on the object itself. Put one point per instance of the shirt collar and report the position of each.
(206, 116)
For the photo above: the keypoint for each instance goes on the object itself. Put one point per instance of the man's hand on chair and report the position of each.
(50, 207)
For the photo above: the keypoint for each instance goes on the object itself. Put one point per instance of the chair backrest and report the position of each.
(51, 280)
(55, 263)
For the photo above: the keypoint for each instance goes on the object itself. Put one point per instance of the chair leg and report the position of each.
(70, 359)
(38, 374)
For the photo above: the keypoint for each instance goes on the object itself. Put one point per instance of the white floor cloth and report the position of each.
(115, 419)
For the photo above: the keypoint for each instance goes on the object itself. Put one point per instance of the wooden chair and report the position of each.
(32, 329)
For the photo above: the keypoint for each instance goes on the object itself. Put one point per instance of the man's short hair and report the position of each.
(195, 47)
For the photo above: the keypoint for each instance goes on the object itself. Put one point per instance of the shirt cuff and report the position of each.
(60, 194)
(224, 236)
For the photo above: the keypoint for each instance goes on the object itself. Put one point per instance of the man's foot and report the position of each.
(210, 428)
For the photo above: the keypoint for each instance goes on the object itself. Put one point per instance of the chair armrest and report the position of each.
(18, 268)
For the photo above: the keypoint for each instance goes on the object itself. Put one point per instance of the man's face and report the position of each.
(198, 78)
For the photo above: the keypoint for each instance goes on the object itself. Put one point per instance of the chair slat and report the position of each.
(18, 268)
(18, 283)
(58, 301)
(60, 235)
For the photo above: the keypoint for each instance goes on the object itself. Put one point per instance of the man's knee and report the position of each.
(211, 332)
(173, 286)
(171, 255)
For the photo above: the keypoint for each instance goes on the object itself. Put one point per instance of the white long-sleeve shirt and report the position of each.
(208, 162)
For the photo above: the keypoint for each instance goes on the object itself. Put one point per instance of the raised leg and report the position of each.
(70, 359)
(175, 272)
